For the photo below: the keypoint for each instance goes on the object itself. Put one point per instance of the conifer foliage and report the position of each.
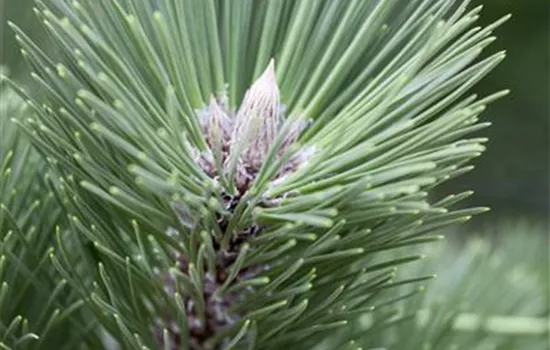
(232, 174)
(37, 306)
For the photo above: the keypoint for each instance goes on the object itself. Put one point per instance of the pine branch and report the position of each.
(36, 304)
(233, 169)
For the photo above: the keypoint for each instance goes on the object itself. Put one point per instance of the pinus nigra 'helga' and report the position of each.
(232, 171)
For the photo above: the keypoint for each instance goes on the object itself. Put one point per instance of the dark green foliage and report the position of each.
(487, 295)
(36, 304)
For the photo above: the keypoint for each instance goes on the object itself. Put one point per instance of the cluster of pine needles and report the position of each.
(246, 174)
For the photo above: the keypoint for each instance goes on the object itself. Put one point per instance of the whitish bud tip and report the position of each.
(271, 66)
(267, 80)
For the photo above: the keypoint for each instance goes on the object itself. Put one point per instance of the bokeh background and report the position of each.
(513, 176)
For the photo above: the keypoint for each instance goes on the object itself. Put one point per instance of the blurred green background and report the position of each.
(513, 176)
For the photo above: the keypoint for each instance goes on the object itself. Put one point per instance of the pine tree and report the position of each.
(241, 174)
